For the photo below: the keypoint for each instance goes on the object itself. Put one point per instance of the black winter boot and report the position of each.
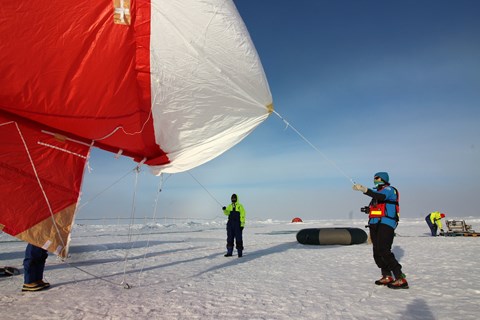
(229, 252)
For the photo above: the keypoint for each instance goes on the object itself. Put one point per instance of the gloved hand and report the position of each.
(441, 230)
(359, 187)
(224, 208)
(241, 228)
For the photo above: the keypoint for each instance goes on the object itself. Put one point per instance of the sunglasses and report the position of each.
(377, 178)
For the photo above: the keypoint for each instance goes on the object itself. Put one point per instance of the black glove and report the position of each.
(224, 208)
(241, 228)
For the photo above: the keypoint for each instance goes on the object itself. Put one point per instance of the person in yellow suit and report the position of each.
(235, 225)
(434, 221)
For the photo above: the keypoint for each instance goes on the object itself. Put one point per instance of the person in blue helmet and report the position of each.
(383, 213)
(236, 222)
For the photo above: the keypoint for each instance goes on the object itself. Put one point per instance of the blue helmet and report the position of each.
(382, 175)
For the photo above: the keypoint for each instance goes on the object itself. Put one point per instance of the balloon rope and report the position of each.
(130, 227)
(126, 132)
(104, 190)
(215, 199)
(124, 283)
(314, 147)
(42, 189)
(154, 217)
(72, 265)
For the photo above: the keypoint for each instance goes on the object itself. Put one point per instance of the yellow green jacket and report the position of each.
(436, 218)
(237, 206)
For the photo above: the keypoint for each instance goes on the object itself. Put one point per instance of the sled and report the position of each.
(460, 228)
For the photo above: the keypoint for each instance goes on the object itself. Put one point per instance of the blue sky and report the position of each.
(375, 85)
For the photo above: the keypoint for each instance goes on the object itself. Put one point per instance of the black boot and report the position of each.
(229, 252)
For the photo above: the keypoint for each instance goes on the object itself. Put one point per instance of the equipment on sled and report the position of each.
(459, 228)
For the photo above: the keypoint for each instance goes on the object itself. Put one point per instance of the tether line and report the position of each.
(130, 227)
(191, 175)
(314, 147)
(104, 190)
(154, 217)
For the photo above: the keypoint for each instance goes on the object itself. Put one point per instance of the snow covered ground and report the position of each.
(178, 271)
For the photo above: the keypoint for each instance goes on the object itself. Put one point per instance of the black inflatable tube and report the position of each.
(330, 236)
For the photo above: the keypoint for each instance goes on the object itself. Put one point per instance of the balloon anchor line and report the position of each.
(130, 227)
(47, 200)
(191, 175)
(288, 125)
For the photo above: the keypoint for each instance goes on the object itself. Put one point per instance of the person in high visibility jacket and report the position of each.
(434, 221)
(383, 219)
(235, 224)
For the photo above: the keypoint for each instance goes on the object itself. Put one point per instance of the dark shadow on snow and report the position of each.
(229, 261)
(131, 258)
(418, 309)
(274, 233)
(16, 255)
(77, 250)
(398, 252)
(105, 278)
(92, 262)
(145, 232)
(250, 256)
(116, 246)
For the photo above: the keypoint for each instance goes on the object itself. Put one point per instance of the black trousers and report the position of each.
(34, 263)
(234, 231)
(382, 240)
(433, 226)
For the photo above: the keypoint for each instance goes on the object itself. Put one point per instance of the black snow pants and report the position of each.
(382, 240)
(234, 231)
